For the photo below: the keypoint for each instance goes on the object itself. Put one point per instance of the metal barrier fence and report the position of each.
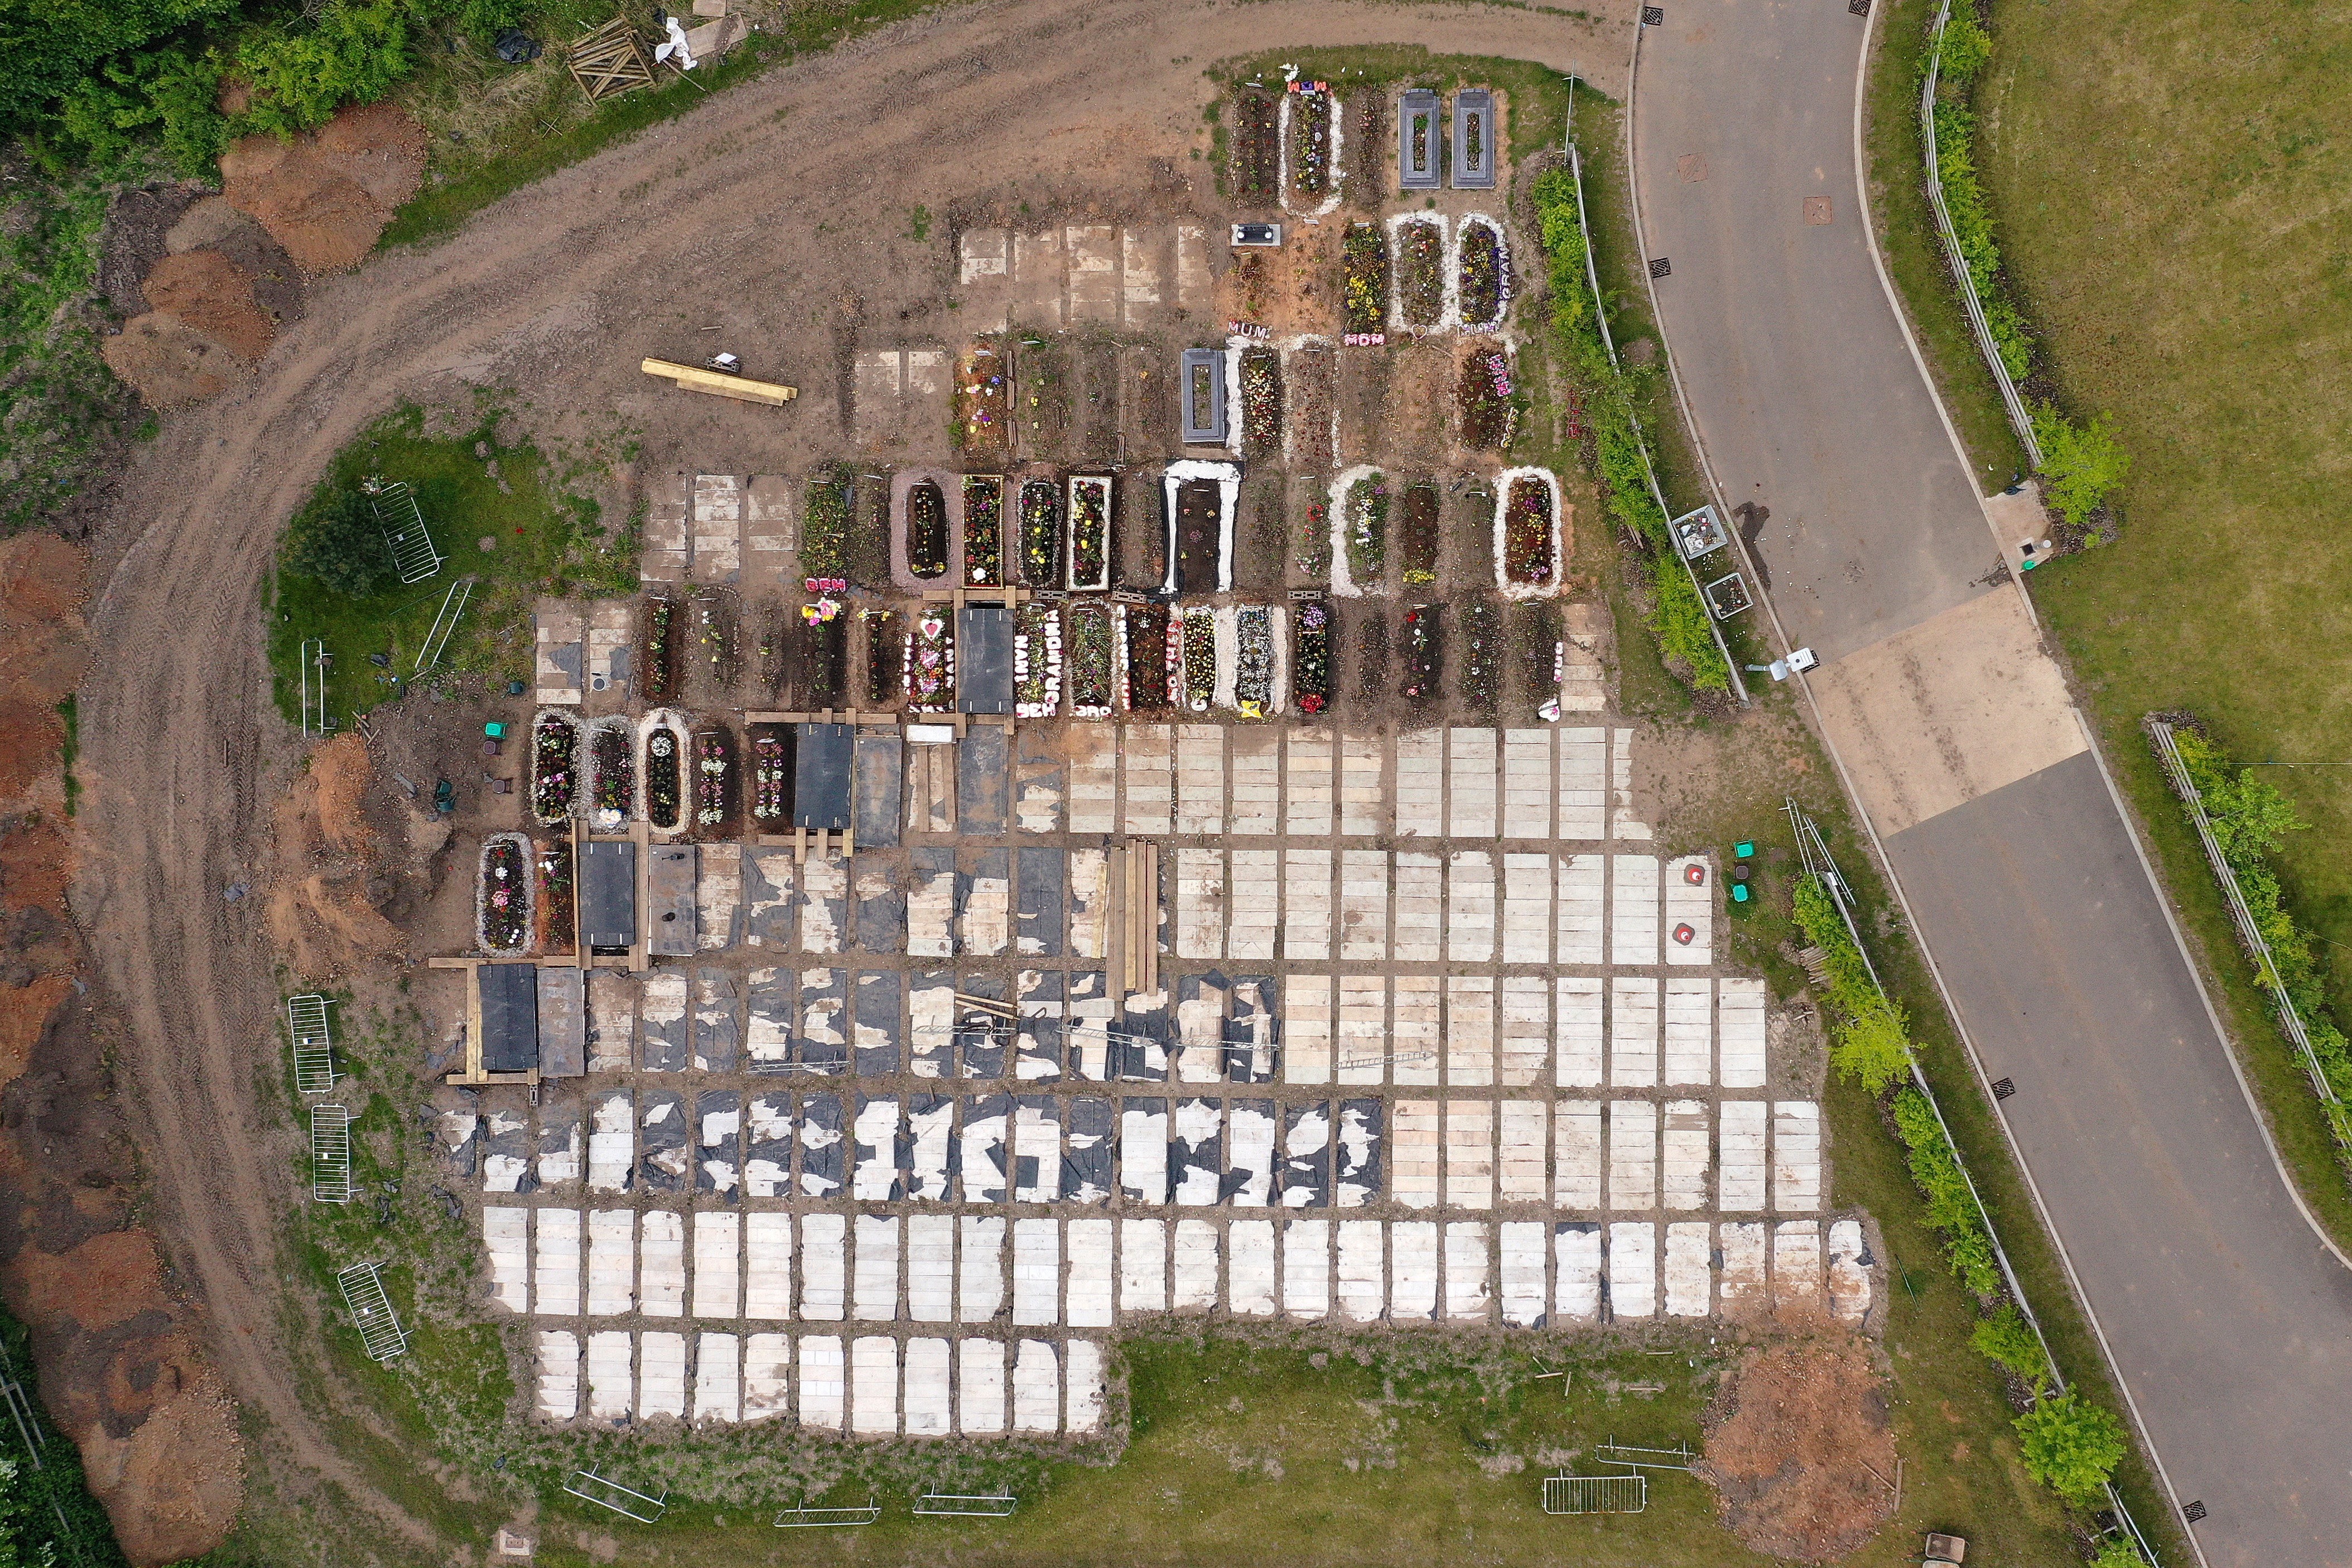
(1596, 1494)
(371, 1310)
(2019, 418)
(2176, 770)
(331, 1154)
(626, 1501)
(314, 1042)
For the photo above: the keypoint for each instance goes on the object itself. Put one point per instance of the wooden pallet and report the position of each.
(609, 61)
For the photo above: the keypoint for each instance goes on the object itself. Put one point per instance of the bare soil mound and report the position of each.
(1800, 1449)
(325, 195)
(170, 364)
(332, 875)
(208, 291)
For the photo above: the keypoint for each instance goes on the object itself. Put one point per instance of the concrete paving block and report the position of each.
(1849, 1271)
(718, 1377)
(612, 1262)
(1307, 1053)
(1363, 905)
(930, 1267)
(1306, 1269)
(1256, 765)
(825, 1266)
(1362, 1270)
(1471, 783)
(824, 1383)
(1523, 1050)
(718, 895)
(1362, 1040)
(1253, 904)
(1634, 906)
(1199, 902)
(1420, 792)
(1687, 1273)
(556, 659)
(558, 1360)
(1633, 1155)
(1576, 1153)
(1689, 1033)
(1527, 908)
(1742, 1284)
(1143, 1151)
(1527, 784)
(1195, 1275)
(1088, 1294)
(1741, 1180)
(1470, 1153)
(767, 1266)
(661, 1376)
(1200, 771)
(612, 1375)
(980, 1386)
(1147, 783)
(1576, 912)
(555, 1262)
(874, 1386)
(1420, 908)
(612, 1142)
(1796, 1266)
(1683, 1143)
(1581, 796)
(928, 1387)
(1036, 1273)
(1413, 1153)
(1307, 904)
(767, 1375)
(1740, 1029)
(717, 1273)
(1524, 1246)
(1796, 1156)
(874, 1297)
(1037, 1388)
(1309, 780)
(982, 254)
(1412, 1269)
(1094, 778)
(662, 1263)
(1416, 1035)
(979, 1268)
(1577, 1031)
(562, 1144)
(1633, 1270)
(1633, 1031)
(1470, 906)
(1249, 1263)
(1142, 1265)
(1249, 1153)
(1470, 1029)
(1521, 1170)
(984, 904)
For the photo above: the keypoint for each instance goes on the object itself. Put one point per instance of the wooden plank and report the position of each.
(744, 389)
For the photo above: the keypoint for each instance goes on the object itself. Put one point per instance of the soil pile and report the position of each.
(1800, 1449)
(325, 195)
(211, 293)
(120, 1371)
(328, 907)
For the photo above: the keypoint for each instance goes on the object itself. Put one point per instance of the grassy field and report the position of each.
(541, 539)
(2173, 194)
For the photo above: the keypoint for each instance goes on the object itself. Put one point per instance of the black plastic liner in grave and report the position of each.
(823, 761)
(608, 897)
(509, 1016)
(984, 659)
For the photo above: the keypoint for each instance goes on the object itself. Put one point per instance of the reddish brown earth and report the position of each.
(326, 194)
(121, 1371)
(1801, 1450)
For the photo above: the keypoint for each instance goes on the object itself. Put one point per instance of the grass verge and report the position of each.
(541, 539)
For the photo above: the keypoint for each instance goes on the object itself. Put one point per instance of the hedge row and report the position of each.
(1678, 618)
(2067, 1444)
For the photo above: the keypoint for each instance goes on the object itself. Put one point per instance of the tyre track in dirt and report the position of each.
(555, 293)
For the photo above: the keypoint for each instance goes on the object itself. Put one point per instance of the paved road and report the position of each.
(2229, 1321)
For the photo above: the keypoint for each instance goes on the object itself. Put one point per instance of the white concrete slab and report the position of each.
(1687, 1282)
(1249, 1267)
(661, 1375)
(1469, 1030)
(1576, 1155)
(980, 1386)
(930, 1267)
(1633, 910)
(612, 1374)
(1527, 909)
(1682, 1154)
(1420, 792)
(718, 1377)
(717, 1277)
(557, 1395)
(824, 1383)
(1849, 1275)
(1520, 1168)
(1578, 1031)
(1036, 1273)
(1797, 1265)
(1576, 1285)
(1739, 1023)
(1420, 916)
(1633, 1031)
(1306, 1269)
(767, 1375)
(825, 1266)
(1036, 1388)
(1195, 1288)
(612, 1262)
(1413, 1153)
(1255, 763)
(1087, 1295)
(1469, 1271)
(1253, 904)
(1690, 907)
(1148, 783)
(506, 1237)
(1363, 797)
(767, 1265)
(1470, 780)
(1527, 784)
(1199, 902)
(555, 1262)
(1524, 1247)
(1624, 820)
(1142, 1265)
(1142, 1153)
(1796, 1156)
(1085, 1386)
(1363, 905)
(928, 1388)
(1633, 1155)
(1412, 1268)
(1577, 922)
(1633, 1270)
(1362, 1270)
(1307, 904)
(875, 1295)
(1689, 1030)
(1200, 759)
(1470, 1153)
(873, 1386)
(1309, 778)
(1470, 906)
(1742, 1283)
(1249, 1153)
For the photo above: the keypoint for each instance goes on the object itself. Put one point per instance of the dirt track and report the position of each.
(1066, 105)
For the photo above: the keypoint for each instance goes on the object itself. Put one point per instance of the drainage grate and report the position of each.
(2194, 1511)
(1653, 15)
(2002, 1088)
(1661, 268)
(1859, 8)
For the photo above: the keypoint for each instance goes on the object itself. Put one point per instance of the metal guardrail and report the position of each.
(314, 1044)
(2175, 769)
(1641, 443)
(2020, 420)
(1596, 1494)
(954, 1505)
(331, 1154)
(311, 658)
(807, 1518)
(414, 554)
(371, 1308)
(626, 1501)
(444, 622)
(1814, 852)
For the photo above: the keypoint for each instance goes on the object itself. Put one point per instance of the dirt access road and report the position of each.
(767, 212)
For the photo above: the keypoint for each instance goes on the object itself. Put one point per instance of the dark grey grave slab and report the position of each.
(881, 996)
(718, 1142)
(1040, 776)
(1038, 1178)
(983, 668)
(1196, 1153)
(881, 903)
(670, 901)
(768, 1145)
(880, 1175)
(1041, 898)
(1473, 139)
(563, 1021)
(823, 1039)
(822, 1145)
(661, 1140)
(1307, 1155)
(562, 1143)
(880, 791)
(509, 1016)
(823, 764)
(982, 1040)
(767, 901)
(608, 896)
(1150, 1112)
(1203, 387)
(930, 1146)
(1420, 120)
(718, 1037)
(775, 993)
(981, 1162)
(1356, 1158)
(1086, 1143)
(983, 781)
(1039, 1052)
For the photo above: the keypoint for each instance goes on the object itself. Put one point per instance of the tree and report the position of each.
(2081, 464)
(2070, 1447)
(356, 54)
(338, 544)
(16, 1515)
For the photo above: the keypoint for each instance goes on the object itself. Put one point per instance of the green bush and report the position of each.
(1677, 619)
(2081, 464)
(1872, 1043)
(2006, 1337)
(1964, 199)
(2119, 1552)
(172, 95)
(52, 49)
(358, 52)
(1951, 1206)
(2070, 1447)
(338, 545)
(1964, 49)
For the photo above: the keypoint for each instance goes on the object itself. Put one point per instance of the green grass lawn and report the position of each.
(2172, 188)
(542, 540)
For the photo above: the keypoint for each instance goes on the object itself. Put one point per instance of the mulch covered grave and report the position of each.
(1800, 1450)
